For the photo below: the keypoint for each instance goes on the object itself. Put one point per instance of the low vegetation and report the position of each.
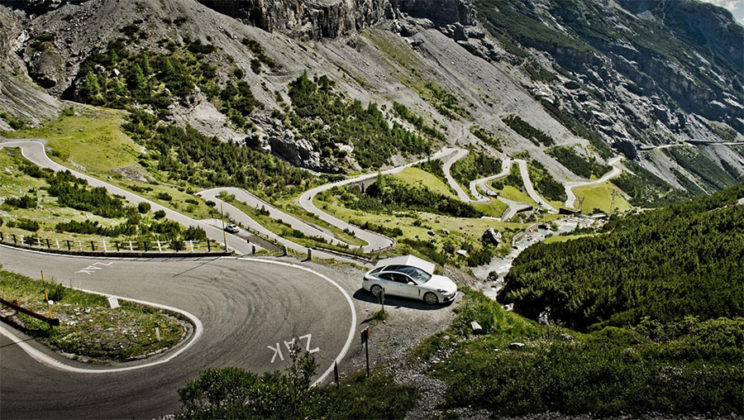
(89, 327)
(486, 136)
(710, 173)
(545, 184)
(287, 394)
(417, 122)
(63, 204)
(187, 155)
(327, 118)
(646, 189)
(526, 130)
(473, 166)
(665, 264)
(580, 165)
(389, 195)
(515, 367)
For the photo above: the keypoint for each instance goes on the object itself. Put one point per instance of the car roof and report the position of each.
(409, 260)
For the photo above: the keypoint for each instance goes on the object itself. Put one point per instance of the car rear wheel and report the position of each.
(430, 298)
(376, 291)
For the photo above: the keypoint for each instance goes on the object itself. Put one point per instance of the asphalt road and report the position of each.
(244, 305)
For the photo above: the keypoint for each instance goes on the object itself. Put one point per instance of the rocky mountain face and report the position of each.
(632, 74)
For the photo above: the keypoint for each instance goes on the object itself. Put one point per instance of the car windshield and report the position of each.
(417, 274)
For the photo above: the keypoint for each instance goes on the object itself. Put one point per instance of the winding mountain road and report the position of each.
(249, 308)
(612, 173)
(239, 216)
(531, 189)
(375, 241)
(33, 150)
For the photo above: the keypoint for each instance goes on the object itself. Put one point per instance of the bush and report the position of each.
(143, 207)
(27, 224)
(24, 202)
(527, 131)
(56, 292)
(164, 196)
(159, 214)
(286, 394)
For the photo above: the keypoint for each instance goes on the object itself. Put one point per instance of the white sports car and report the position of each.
(411, 277)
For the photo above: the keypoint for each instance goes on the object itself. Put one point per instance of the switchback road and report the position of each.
(249, 309)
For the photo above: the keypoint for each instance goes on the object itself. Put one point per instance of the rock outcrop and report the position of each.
(305, 20)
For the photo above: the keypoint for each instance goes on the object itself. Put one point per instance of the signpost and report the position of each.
(365, 341)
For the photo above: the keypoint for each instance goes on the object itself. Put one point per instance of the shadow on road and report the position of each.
(397, 302)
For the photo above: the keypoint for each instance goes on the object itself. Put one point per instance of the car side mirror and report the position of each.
(411, 283)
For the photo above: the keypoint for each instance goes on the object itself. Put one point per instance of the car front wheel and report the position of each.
(376, 291)
(431, 299)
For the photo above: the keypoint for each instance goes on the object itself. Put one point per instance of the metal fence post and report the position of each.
(92, 246)
(68, 245)
(209, 247)
(48, 245)
(117, 246)
(14, 240)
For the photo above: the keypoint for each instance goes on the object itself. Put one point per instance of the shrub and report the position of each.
(24, 202)
(143, 207)
(164, 196)
(159, 214)
(27, 224)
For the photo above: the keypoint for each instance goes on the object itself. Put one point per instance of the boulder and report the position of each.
(492, 237)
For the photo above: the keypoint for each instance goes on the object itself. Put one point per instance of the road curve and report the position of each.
(447, 163)
(375, 241)
(245, 305)
(513, 207)
(254, 201)
(612, 173)
(239, 216)
(531, 189)
(33, 151)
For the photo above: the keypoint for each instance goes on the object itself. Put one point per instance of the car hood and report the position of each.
(442, 283)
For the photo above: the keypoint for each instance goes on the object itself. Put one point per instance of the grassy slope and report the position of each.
(92, 139)
(48, 212)
(419, 177)
(599, 197)
(460, 229)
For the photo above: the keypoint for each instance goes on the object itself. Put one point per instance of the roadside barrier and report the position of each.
(105, 247)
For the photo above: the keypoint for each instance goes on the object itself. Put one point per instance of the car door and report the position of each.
(389, 283)
(408, 288)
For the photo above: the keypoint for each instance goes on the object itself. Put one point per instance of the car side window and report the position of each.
(401, 278)
(386, 276)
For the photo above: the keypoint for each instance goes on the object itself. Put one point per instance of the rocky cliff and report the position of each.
(632, 74)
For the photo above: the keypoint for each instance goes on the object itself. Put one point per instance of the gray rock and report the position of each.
(491, 236)
(516, 346)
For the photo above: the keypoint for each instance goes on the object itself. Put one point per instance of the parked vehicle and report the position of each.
(231, 228)
(411, 277)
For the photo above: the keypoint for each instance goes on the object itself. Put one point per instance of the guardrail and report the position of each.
(53, 322)
(113, 247)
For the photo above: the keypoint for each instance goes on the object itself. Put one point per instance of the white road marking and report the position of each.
(276, 351)
(94, 267)
(307, 347)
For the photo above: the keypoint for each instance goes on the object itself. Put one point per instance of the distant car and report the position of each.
(232, 228)
(410, 277)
